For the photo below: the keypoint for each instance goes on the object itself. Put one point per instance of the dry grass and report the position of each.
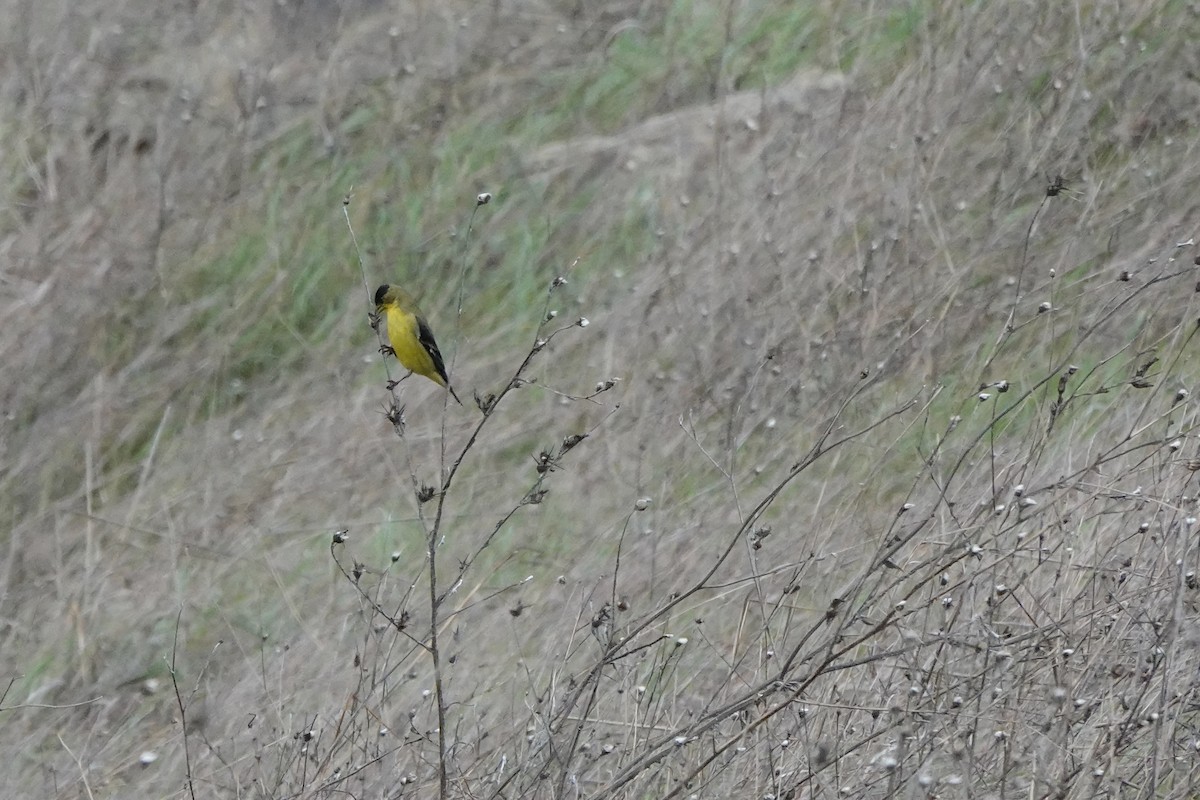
(893, 493)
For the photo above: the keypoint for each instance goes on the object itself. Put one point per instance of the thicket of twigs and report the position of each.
(832, 429)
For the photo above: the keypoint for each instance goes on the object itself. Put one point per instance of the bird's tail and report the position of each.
(454, 394)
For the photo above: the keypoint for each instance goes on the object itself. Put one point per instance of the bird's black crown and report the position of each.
(380, 292)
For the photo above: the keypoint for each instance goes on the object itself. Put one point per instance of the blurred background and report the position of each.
(896, 301)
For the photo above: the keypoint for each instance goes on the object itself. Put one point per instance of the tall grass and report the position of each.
(871, 472)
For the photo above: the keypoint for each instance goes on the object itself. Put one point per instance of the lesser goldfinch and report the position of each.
(411, 337)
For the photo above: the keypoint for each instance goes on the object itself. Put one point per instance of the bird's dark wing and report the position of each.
(425, 335)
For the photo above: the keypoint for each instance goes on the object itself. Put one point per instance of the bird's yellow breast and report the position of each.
(403, 333)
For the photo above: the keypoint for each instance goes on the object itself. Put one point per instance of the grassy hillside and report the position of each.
(832, 430)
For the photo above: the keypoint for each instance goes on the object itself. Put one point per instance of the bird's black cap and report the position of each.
(380, 292)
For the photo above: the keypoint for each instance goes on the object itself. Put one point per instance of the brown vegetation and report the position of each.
(853, 454)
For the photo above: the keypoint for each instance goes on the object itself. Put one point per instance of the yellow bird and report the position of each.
(411, 337)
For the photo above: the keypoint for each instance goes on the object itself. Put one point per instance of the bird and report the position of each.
(411, 337)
